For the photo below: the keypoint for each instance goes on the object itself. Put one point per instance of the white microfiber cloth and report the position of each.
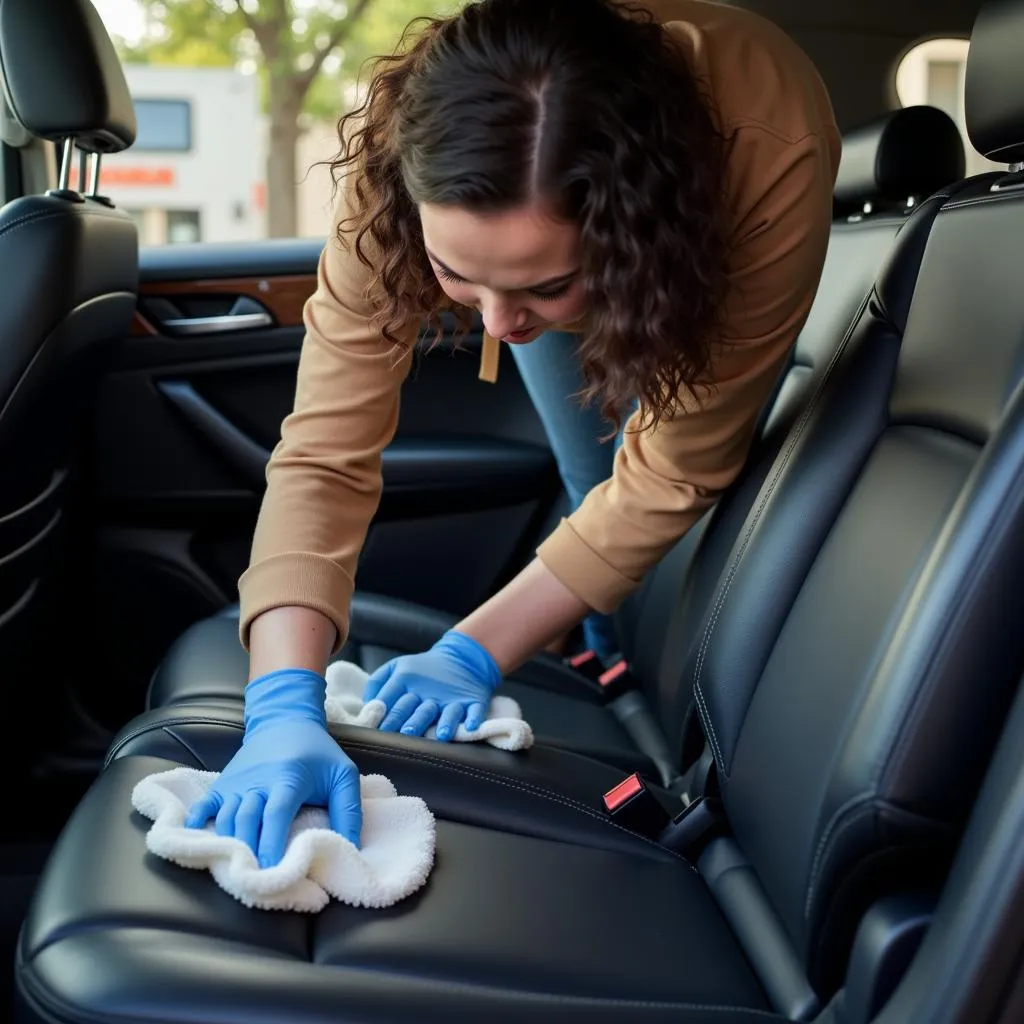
(396, 855)
(503, 728)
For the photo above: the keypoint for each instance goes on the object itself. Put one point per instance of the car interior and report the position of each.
(819, 686)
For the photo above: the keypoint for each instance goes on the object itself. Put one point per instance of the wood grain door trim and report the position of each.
(284, 296)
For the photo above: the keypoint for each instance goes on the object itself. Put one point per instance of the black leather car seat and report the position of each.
(886, 167)
(853, 671)
(69, 265)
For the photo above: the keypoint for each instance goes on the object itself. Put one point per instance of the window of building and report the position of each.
(204, 156)
(164, 125)
(183, 226)
(932, 73)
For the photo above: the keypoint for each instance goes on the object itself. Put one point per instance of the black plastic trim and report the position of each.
(269, 258)
(762, 935)
(418, 465)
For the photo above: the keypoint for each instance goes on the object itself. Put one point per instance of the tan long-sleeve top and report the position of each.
(324, 479)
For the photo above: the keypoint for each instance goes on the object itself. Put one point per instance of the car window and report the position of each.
(933, 73)
(222, 154)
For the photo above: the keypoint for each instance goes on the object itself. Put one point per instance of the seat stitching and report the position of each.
(524, 994)
(181, 740)
(995, 197)
(664, 1004)
(26, 218)
(524, 787)
(486, 776)
(149, 727)
(768, 489)
(977, 573)
(853, 802)
(705, 716)
(40, 215)
(781, 463)
(874, 804)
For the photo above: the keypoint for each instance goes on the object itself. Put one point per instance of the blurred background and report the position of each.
(238, 101)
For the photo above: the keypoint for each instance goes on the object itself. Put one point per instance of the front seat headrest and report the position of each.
(62, 77)
(913, 151)
(994, 82)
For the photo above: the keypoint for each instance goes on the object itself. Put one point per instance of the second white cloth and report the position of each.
(503, 728)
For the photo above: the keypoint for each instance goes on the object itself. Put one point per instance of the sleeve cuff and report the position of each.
(296, 579)
(580, 568)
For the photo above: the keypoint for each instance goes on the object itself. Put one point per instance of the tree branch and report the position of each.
(266, 32)
(341, 32)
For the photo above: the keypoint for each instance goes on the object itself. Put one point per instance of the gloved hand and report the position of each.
(287, 759)
(451, 682)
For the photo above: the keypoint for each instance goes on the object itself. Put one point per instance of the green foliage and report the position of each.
(315, 46)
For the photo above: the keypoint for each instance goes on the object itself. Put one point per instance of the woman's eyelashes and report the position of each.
(445, 274)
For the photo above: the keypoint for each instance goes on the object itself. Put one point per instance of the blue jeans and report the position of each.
(552, 376)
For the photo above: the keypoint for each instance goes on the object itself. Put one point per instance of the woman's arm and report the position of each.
(524, 617)
(324, 476)
(290, 637)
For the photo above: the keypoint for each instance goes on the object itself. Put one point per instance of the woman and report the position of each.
(662, 189)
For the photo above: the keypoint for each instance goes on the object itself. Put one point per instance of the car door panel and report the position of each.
(189, 413)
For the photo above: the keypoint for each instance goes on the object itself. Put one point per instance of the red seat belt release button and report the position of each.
(588, 664)
(616, 680)
(633, 806)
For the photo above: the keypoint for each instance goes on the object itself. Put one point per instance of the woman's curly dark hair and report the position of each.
(590, 106)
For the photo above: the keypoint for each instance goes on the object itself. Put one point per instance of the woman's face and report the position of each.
(520, 268)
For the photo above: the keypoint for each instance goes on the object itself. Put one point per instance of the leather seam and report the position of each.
(26, 219)
(40, 215)
(179, 739)
(995, 197)
(873, 805)
(833, 827)
(781, 464)
(524, 787)
(978, 572)
(500, 780)
(768, 490)
(526, 994)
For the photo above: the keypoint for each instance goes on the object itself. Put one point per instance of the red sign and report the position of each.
(132, 177)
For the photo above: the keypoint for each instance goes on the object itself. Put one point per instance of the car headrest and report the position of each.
(913, 151)
(62, 77)
(994, 82)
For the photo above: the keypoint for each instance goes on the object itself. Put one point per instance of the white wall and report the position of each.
(221, 177)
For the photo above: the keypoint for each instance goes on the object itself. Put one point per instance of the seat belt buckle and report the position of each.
(691, 829)
(588, 664)
(616, 680)
(633, 806)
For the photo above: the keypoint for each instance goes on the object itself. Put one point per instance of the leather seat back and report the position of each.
(884, 168)
(69, 263)
(863, 642)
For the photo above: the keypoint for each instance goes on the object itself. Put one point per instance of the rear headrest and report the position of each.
(994, 82)
(61, 75)
(913, 151)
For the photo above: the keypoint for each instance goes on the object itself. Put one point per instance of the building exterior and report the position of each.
(196, 171)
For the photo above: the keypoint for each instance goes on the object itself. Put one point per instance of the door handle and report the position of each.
(218, 324)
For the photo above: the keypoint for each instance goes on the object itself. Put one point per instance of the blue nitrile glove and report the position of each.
(451, 682)
(287, 759)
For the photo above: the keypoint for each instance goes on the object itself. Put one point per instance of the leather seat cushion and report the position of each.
(208, 664)
(533, 908)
